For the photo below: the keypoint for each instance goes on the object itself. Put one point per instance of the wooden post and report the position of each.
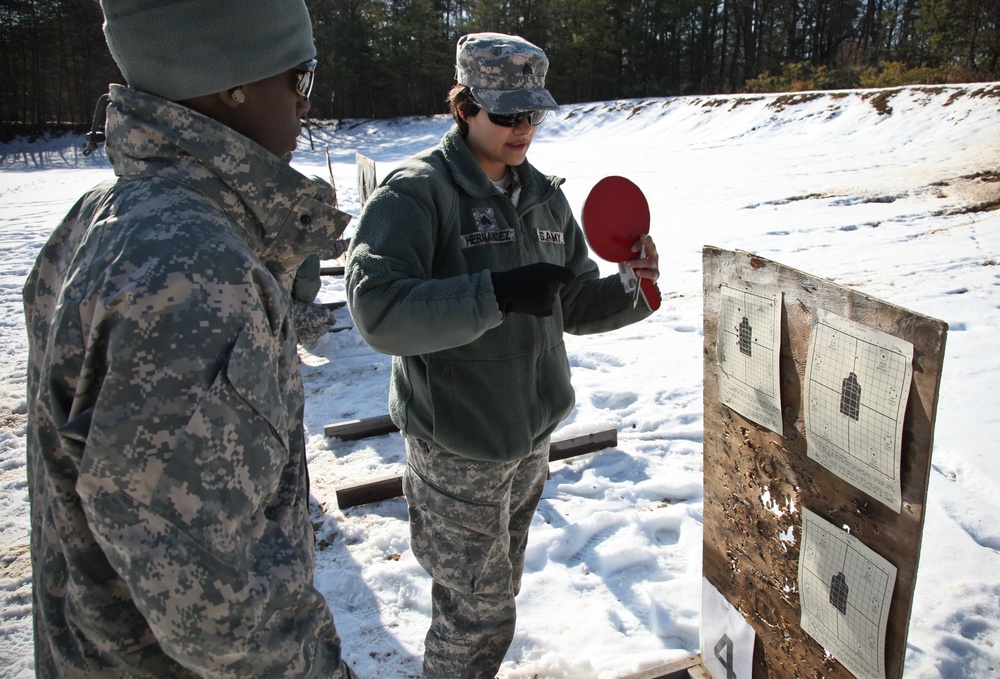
(366, 177)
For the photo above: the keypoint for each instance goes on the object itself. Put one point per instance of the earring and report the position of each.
(237, 94)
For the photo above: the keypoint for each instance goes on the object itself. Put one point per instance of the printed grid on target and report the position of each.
(747, 326)
(855, 397)
(844, 591)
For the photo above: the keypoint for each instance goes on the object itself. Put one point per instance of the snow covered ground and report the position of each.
(892, 193)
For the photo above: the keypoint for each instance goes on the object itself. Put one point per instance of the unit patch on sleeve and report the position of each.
(557, 237)
(486, 230)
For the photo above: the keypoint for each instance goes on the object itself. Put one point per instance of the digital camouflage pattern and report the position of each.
(505, 73)
(166, 455)
(311, 321)
(471, 539)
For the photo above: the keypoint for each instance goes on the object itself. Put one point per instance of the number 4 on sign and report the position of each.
(726, 638)
(724, 654)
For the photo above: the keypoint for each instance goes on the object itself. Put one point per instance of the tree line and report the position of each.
(388, 58)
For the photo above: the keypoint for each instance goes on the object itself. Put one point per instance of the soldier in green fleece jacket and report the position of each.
(468, 266)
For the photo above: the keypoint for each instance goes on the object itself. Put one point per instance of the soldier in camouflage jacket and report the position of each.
(166, 458)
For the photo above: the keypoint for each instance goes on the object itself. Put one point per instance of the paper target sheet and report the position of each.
(748, 349)
(845, 590)
(857, 383)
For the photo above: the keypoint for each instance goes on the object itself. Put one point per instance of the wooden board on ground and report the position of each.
(757, 481)
(392, 486)
(685, 668)
(331, 271)
(352, 430)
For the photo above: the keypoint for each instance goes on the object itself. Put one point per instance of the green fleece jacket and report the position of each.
(464, 376)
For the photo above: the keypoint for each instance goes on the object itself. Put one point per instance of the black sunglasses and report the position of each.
(511, 119)
(305, 76)
(514, 119)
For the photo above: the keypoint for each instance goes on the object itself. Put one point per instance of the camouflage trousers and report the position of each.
(469, 523)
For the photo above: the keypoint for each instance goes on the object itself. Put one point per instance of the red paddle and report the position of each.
(615, 215)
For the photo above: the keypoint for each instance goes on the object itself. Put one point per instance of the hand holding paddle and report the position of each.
(616, 223)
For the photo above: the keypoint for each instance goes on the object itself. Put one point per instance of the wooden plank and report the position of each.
(744, 555)
(334, 305)
(392, 486)
(698, 672)
(370, 491)
(331, 271)
(352, 430)
(685, 668)
(585, 443)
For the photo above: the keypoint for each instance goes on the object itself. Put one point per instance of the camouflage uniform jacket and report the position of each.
(171, 533)
(464, 377)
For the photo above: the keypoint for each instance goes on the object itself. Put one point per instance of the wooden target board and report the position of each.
(758, 481)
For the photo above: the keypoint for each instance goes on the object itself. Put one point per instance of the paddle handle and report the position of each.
(635, 293)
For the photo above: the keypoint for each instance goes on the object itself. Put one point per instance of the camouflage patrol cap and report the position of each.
(506, 73)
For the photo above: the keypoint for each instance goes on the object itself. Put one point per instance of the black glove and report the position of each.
(530, 289)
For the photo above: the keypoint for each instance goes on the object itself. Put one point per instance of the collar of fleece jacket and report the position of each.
(471, 178)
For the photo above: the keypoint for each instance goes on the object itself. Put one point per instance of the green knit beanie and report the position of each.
(179, 49)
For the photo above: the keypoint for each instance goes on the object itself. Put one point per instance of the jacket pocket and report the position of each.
(462, 543)
(251, 372)
(499, 410)
(228, 459)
